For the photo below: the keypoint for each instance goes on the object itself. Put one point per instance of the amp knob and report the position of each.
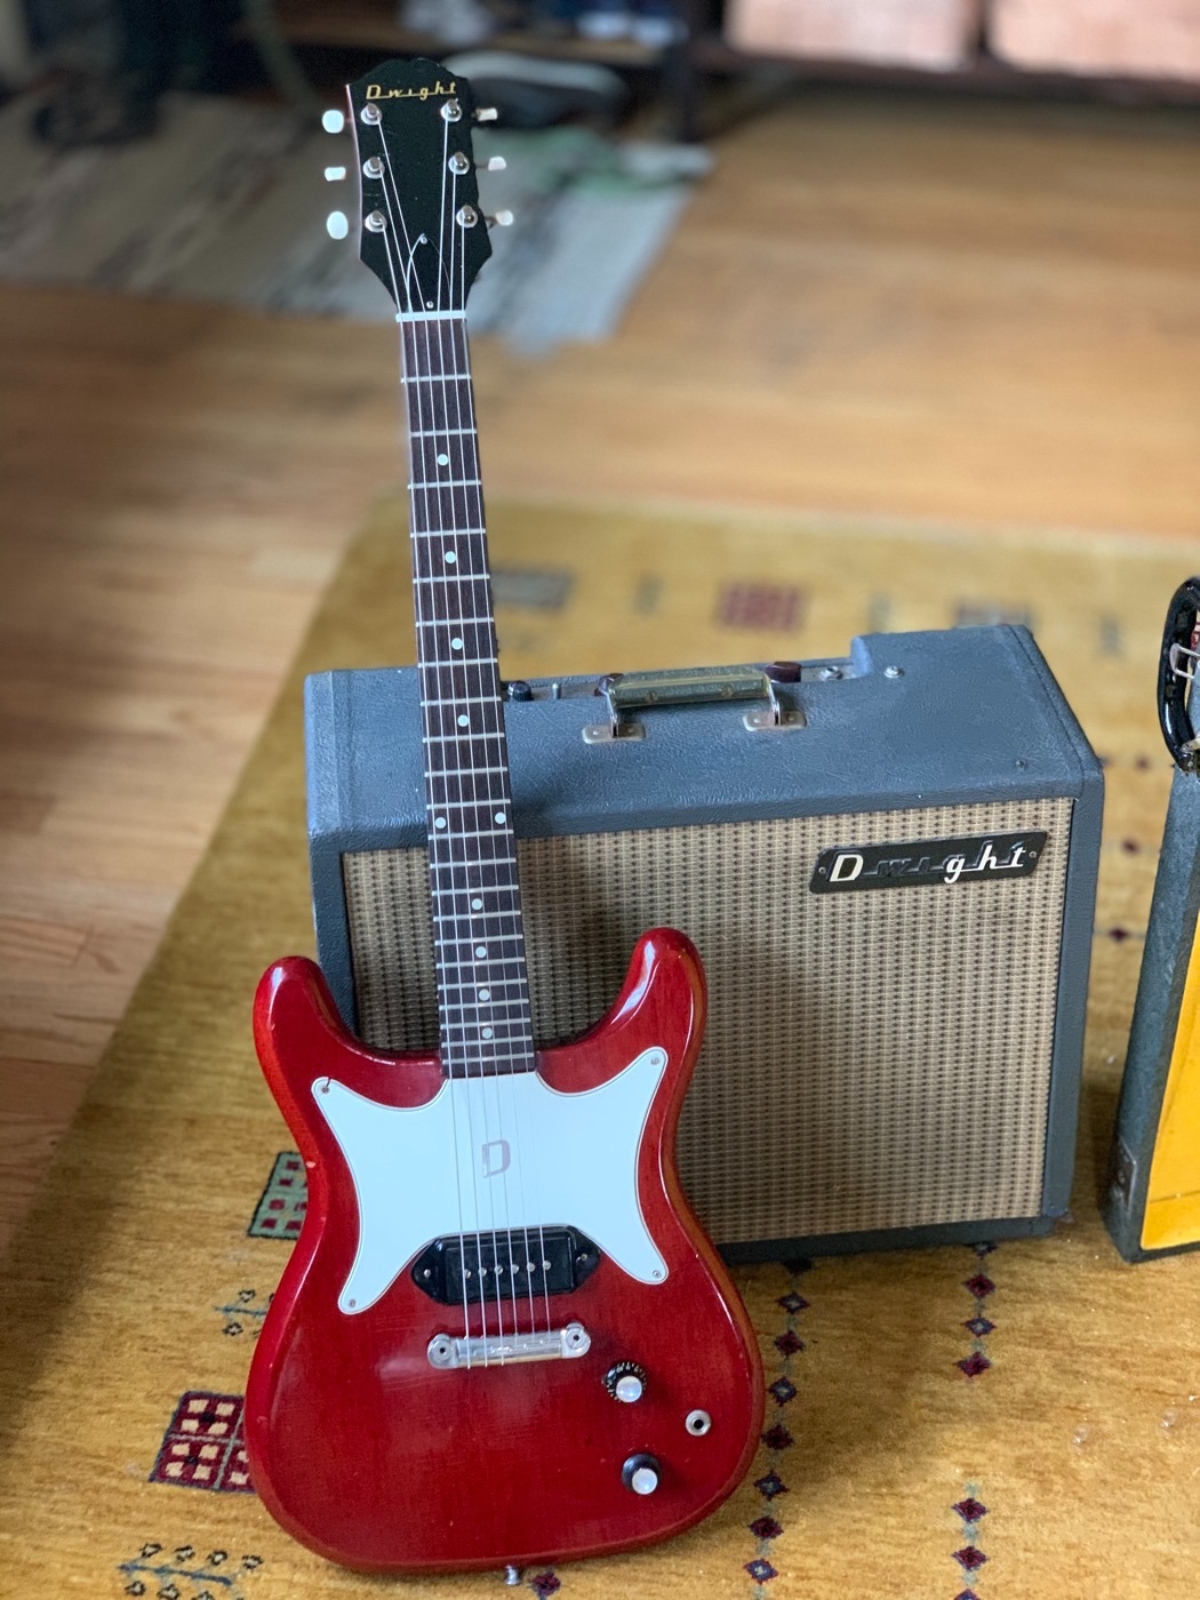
(626, 1381)
(641, 1474)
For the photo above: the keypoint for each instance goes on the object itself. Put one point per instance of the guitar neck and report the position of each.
(479, 944)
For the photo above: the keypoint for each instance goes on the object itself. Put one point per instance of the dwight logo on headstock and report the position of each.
(424, 91)
(984, 858)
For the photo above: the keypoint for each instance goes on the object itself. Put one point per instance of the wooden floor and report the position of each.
(879, 305)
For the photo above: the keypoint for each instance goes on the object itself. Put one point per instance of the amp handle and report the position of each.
(624, 692)
(1177, 674)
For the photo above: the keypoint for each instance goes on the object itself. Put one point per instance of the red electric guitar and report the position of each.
(503, 1336)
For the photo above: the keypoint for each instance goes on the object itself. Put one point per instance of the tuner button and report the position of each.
(641, 1473)
(337, 225)
(626, 1381)
(487, 114)
(502, 219)
(493, 164)
(333, 121)
(334, 174)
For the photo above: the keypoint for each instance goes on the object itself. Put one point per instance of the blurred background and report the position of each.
(923, 264)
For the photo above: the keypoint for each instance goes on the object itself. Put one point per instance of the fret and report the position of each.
(515, 1006)
(475, 1051)
(456, 660)
(499, 983)
(472, 833)
(493, 889)
(457, 700)
(440, 533)
(446, 483)
(438, 377)
(498, 960)
(478, 861)
(440, 433)
(456, 622)
(466, 1043)
(504, 1032)
(469, 772)
(453, 577)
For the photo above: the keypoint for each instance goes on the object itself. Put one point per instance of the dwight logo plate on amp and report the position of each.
(984, 858)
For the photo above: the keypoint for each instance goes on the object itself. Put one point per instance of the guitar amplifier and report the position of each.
(888, 863)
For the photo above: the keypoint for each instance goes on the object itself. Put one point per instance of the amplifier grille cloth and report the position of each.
(873, 1060)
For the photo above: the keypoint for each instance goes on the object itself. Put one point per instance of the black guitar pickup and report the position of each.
(505, 1265)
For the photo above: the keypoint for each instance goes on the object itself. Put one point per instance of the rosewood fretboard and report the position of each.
(479, 944)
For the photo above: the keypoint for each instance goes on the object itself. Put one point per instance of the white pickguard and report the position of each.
(488, 1154)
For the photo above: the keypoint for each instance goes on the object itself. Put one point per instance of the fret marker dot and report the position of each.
(500, 817)
(439, 822)
(486, 1032)
(450, 558)
(464, 721)
(456, 644)
(485, 994)
(481, 949)
(476, 905)
(443, 461)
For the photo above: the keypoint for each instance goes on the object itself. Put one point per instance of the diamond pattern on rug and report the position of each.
(284, 1201)
(760, 605)
(203, 1447)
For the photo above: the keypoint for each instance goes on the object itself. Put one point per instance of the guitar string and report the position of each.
(445, 281)
(456, 331)
(414, 404)
(454, 594)
(459, 376)
(452, 329)
(515, 918)
(450, 226)
(524, 1000)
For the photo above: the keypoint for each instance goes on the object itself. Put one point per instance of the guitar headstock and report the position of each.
(421, 230)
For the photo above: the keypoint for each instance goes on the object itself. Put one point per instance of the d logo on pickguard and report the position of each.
(496, 1158)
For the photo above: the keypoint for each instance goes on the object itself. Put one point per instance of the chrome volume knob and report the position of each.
(626, 1381)
(641, 1473)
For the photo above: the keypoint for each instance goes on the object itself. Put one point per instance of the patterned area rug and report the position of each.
(227, 202)
(955, 1424)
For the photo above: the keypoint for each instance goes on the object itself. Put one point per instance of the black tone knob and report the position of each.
(518, 689)
(626, 1381)
(641, 1473)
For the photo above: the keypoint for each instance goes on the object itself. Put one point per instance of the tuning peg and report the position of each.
(333, 121)
(486, 114)
(492, 164)
(334, 174)
(337, 225)
(502, 219)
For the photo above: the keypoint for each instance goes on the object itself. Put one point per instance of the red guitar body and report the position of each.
(373, 1458)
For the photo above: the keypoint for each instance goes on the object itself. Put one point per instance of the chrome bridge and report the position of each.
(503, 1349)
